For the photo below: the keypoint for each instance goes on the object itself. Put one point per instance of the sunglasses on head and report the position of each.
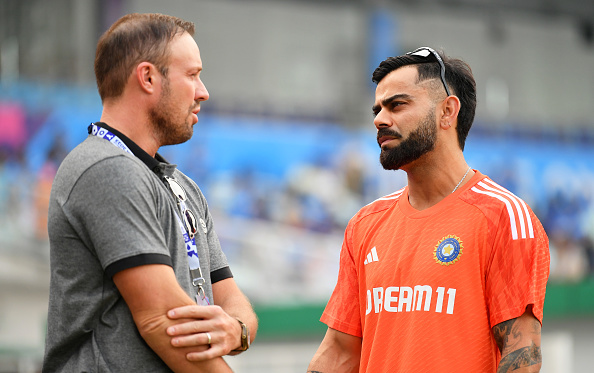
(427, 52)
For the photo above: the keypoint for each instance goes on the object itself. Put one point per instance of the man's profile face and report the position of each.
(176, 112)
(404, 118)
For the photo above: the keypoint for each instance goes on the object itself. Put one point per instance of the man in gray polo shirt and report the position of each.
(139, 281)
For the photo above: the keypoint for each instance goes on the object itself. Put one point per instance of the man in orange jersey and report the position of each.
(447, 274)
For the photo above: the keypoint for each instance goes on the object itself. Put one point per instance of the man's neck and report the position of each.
(430, 184)
(134, 127)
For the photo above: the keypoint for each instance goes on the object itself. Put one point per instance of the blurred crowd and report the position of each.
(316, 194)
(569, 223)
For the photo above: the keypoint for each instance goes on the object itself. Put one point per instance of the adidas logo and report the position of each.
(372, 256)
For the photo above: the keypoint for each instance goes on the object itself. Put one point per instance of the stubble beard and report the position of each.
(418, 143)
(165, 122)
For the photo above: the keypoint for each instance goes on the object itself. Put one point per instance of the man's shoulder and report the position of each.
(499, 205)
(98, 163)
(379, 205)
(487, 193)
(93, 151)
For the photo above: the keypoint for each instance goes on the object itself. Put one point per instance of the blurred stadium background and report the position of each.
(285, 152)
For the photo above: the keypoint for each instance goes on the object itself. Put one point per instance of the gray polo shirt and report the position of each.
(109, 211)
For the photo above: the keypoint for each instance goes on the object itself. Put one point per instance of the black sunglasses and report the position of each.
(187, 214)
(426, 52)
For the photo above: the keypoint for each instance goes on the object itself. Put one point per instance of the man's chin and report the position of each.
(386, 162)
(389, 165)
(179, 138)
(188, 134)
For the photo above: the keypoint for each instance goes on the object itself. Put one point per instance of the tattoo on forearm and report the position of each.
(523, 357)
(314, 371)
(506, 335)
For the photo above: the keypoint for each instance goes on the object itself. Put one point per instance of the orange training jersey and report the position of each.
(424, 288)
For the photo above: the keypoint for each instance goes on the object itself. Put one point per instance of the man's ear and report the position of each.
(450, 108)
(147, 76)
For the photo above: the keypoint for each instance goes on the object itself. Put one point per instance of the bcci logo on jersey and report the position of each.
(448, 250)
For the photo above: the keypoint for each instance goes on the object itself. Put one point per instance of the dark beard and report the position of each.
(419, 142)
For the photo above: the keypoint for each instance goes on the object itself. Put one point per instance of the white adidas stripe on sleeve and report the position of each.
(515, 202)
(522, 217)
(525, 208)
(510, 211)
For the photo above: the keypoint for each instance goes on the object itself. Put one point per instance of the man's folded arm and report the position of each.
(150, 291)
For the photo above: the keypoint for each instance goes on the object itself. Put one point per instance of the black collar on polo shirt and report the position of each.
(154, 164)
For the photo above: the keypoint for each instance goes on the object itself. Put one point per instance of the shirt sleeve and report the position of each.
(343, 309)
(519, 268)
(112, 206)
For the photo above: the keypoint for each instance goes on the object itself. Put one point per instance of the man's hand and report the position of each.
(208, 322)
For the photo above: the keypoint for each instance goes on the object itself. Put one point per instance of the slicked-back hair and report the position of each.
(133, 39)
(459, 78)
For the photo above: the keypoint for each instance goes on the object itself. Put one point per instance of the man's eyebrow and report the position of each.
(386, 101)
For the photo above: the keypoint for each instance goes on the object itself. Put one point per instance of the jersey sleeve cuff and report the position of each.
(341, 326)
(516, 312)
(220, 274)
(135, 261)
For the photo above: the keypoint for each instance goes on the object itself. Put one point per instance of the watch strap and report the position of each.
(245, 337)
